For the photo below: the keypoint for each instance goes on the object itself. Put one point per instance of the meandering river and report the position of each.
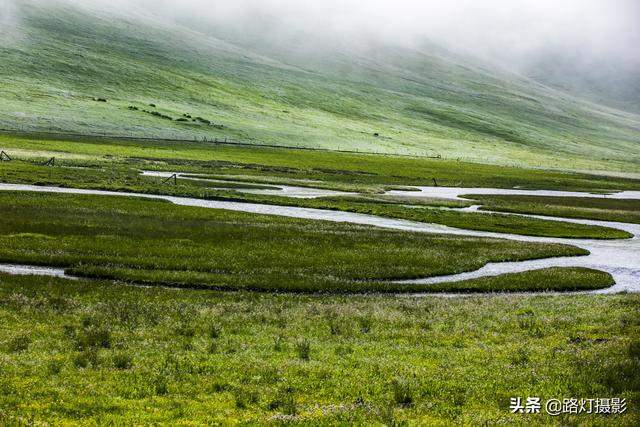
(620, 258)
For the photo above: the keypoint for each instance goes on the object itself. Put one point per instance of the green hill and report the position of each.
(62, 61)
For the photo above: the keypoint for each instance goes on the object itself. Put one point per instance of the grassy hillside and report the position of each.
(424, 100)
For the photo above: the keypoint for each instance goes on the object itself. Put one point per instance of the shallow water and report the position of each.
(281, 190)
(455, 193)
(620, 258)
(32, 270)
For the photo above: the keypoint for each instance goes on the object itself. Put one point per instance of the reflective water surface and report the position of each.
(280, 190)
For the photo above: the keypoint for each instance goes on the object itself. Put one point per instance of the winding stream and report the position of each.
(620, 258)
(455, 193)
(280, 190)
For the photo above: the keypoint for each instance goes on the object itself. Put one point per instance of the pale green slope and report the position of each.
(424, 99)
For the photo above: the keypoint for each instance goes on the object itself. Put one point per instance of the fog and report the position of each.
(9, 31)
(519, 34)
(503, 30)
(510, 31)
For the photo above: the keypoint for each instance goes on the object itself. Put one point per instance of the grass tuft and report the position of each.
(18, 343)
(303, 349)
(122, 360)
(402, 390)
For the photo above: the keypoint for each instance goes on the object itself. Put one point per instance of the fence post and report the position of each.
(173, 177)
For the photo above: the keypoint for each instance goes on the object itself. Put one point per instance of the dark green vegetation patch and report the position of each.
(544, 280)
(597, 208)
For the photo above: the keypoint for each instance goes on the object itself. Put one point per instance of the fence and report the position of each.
(224, 141)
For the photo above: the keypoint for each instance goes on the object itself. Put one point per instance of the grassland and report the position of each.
(296, 341)
(618, 210)
(100, 353)
(473, 221)
(102, 237)
(115, 165)
(125, 178)
(545, 280)
(328, 167)
(424, 100)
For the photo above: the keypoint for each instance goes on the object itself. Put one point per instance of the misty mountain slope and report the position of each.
(614, 84)
(292, 92)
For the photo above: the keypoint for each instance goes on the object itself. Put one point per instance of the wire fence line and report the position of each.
(214, 140)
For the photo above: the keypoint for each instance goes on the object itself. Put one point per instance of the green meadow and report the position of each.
(182, 315)
(72, 69)
(95, 353)
(288, 167)
(315, 330)
(375, 171)
(618, 210)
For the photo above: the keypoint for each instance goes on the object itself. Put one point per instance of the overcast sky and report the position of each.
(505, 30)
(498, 28)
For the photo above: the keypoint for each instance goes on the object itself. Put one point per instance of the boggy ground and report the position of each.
(325, 166)
(155, 242)
(118, 176)
(618, 210)
(100, 352)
